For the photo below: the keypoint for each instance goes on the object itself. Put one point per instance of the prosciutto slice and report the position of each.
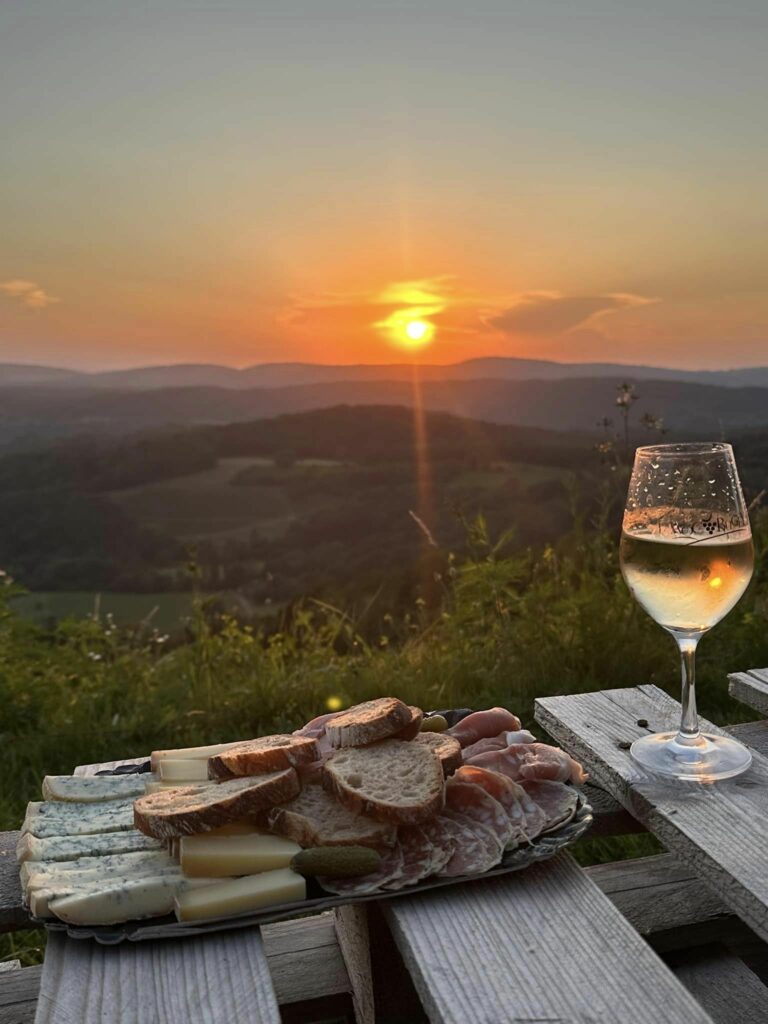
(557, 801)
(500, 742)
(484, 724)
(532, 761)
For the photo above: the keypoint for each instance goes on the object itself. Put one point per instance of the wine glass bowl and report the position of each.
(686, 555)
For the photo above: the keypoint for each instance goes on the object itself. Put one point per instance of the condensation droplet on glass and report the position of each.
(654, 465)
(710, 481)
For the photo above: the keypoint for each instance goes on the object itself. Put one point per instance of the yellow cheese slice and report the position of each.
(239, 895)
(183, 769)
(221, 856)
(192, 753)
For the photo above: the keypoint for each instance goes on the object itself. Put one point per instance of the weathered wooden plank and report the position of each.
(18, 995)
(720, 830)
(723, 985)
(545, 945)
(304, 959)
(750, 688)
(351, 924)
(13, 916)
(658, 894)
(210, 979)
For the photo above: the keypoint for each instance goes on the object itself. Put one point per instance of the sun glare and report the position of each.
(416, 333)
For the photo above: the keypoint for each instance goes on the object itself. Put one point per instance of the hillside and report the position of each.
(275, 375)
(31, 416)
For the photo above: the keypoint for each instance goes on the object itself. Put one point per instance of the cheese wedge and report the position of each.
(239, 895)
(57, 818)
(226, 856)
(125, 900)
(194, 753)
(40, 896)
(94, 788)
(67, 848)
(183, 769)
(33, 871)
(156, 786)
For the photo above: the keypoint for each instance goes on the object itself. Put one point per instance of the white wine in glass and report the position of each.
(687, 556)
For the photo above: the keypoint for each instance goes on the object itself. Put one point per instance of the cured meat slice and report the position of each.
(418, 854)
(391, 868)
(483, 724)
(558, 801)
(531, 761)
(512, 798)
(500, 742)
(476, 848)
(316, 727)
(442, 834)
(476, 803)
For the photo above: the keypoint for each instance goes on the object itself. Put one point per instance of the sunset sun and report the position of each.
(416, 334)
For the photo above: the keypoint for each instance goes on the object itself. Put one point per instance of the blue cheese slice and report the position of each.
(94, 788)
(40, 894)
(36, 872)
(126, 899)
(68, 848)
(56, 818)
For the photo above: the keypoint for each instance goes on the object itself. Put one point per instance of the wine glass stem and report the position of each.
(689, 721)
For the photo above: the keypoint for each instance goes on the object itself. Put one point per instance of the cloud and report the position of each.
(28, 293)
(553, 313)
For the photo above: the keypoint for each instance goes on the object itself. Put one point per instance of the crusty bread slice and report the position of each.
(393, 780)
(411, 731)
(267, 754)
(316, 818)
(368, 722)
(447, 748)
(182, 812)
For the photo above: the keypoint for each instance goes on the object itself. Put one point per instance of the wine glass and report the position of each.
(687, 556)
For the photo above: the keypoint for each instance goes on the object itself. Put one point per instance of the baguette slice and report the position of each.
(394, 781)
(411, 731)
(447, 748)
(193, 809)
(315, 818)
(368, 722)
(267, 754)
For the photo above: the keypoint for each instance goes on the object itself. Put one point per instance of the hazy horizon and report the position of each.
(342, 182)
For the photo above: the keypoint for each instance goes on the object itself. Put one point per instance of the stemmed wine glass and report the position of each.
(687, 556)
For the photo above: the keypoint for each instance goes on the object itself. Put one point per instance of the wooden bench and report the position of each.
(639, 940)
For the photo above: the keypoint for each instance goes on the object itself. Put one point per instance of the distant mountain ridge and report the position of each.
(280, 375)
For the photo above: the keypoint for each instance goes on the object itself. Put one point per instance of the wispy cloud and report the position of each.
(28, 293)
(554, 313)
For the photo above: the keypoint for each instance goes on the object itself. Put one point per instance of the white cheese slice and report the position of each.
(36, 872)
(238, 895)
(206, 856)
(196, 753)
(125, 900)
(94, 788)
(59, 848)
(156, 786)
(57, 818)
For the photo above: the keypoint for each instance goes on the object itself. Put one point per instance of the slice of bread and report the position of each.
(316, 818)
(411, 731)
(267, 754)
(447, 748)
(394, 780)
(368, 722)
(182, 812)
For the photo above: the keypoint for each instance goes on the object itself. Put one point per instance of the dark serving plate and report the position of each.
(541, 848)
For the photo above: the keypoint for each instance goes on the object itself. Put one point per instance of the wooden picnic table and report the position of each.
(678, 936)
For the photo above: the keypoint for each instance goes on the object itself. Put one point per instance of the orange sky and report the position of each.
(224, 185)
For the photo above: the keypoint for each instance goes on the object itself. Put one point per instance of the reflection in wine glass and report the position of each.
(687, 556)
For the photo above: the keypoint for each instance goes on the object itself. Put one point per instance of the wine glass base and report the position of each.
(709, 758)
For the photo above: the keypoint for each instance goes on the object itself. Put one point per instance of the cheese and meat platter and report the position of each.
(376, 801)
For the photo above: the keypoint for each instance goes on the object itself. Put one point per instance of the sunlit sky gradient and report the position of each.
(246, 182)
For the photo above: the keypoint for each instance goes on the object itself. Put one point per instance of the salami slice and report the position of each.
(391, 868)
(476, 848)
(417, 857)
(477, 803)
(510, 795)
(442, 835)
(557, 801)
